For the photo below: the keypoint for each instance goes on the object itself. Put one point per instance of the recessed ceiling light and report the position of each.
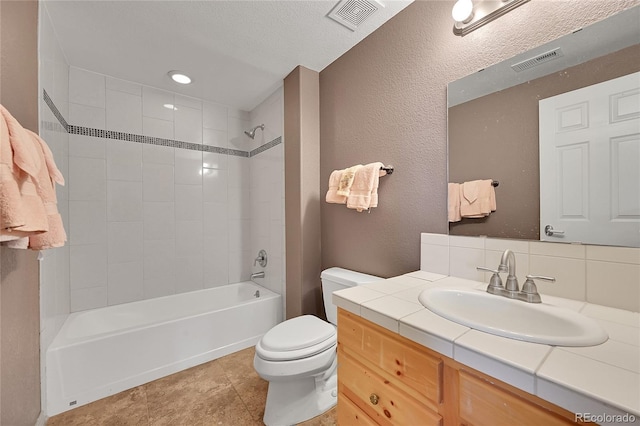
(170, 106)
(179, 77)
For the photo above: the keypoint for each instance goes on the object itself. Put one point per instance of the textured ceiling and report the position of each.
(237, 52)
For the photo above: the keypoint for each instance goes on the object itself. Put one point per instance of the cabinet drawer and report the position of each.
(383, 401)
(416, 371)
(482, 403)
(349, 413)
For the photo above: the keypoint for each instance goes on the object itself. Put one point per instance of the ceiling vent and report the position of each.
(537, 60)
(352, 13)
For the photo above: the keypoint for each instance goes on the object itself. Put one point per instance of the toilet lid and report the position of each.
(297, 338)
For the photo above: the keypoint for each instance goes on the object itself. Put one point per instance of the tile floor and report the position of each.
(226, 391)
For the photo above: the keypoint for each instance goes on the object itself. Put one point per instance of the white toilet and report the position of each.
(298, 358)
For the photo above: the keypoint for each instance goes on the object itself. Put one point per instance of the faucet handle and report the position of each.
(529, 285)
(261, 259)
(541, 277)
(495, 283)
(482, 268)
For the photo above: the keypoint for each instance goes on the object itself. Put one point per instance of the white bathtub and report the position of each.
(104, 351)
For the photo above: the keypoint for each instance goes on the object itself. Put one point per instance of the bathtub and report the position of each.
(104, 351)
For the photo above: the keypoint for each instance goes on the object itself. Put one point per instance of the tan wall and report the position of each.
(302, 201)
(385, 100)
(496, 137)
(19, 291)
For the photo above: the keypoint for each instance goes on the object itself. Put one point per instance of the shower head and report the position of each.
(252, 133)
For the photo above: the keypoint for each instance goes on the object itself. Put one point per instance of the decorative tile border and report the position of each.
(266, 146)
(52, 126)
(131, 137)
(54, 109)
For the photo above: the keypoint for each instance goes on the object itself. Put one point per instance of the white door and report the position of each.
(590, 164)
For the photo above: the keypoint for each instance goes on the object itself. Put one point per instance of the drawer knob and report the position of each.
(374, 399)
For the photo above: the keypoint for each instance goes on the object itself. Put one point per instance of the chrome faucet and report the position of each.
(529, 292)
(257, 275)
(508, 264)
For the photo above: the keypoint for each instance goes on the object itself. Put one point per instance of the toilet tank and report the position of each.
(334, 279)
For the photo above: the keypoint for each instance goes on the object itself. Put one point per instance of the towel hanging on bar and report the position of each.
(363, 191)
(473, 199)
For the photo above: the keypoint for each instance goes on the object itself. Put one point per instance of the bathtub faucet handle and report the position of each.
(261, 259)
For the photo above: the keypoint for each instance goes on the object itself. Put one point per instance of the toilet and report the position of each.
(298, 358)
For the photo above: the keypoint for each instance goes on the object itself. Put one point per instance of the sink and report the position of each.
(529, 322)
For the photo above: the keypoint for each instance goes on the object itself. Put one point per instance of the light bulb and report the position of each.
(462, 11)
(179, 77)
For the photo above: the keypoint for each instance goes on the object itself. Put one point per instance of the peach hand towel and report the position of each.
(454, 202)
(364, 182)
(49, 175)
(332, 194)
(477, 198)
(22, 211)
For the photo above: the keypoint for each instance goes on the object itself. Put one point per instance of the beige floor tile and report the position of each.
(228, 409)
(184, 398)
(330, 418)
(226, 391)
(239, 365)
(253, 392)
(128, 408)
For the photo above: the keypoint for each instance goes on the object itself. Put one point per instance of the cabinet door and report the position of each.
(483, 404)
(413, 369)
(379, 398)
(349, 413)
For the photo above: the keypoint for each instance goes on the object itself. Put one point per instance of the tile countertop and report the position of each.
(602, 380)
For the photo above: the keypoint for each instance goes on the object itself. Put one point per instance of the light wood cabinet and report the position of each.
(386, 379)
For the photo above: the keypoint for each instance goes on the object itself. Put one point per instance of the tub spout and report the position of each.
(257, 275)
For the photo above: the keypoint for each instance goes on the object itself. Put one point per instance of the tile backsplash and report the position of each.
(603, 275)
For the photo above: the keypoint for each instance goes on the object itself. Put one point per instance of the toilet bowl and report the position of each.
(298, 358)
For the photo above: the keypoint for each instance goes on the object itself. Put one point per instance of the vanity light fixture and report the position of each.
(462, 11)
(179, 77)
(470, 15)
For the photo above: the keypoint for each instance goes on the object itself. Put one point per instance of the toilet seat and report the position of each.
(297, 338)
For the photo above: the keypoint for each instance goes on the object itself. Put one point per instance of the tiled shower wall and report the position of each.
(152, 217)
(54, 266)
(266, 205)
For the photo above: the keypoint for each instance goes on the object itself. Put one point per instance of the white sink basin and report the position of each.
(530, 322)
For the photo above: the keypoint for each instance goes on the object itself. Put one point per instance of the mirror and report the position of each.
(493, 119)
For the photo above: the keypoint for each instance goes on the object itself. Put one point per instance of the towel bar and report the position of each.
(495, 183)
(388, 169)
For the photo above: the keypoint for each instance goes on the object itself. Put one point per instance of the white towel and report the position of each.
(364, 191)
(477, 198)
(346, 180)
(332, 194)
(454, 202)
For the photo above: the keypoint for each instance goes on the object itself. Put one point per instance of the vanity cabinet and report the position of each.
(386, 379)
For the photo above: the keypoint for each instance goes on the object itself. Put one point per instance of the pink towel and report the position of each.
(28, 205)
(48, 177)
(477, 198)
(364, 191)
(332, 194)
(454, 202)
(22, 211)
